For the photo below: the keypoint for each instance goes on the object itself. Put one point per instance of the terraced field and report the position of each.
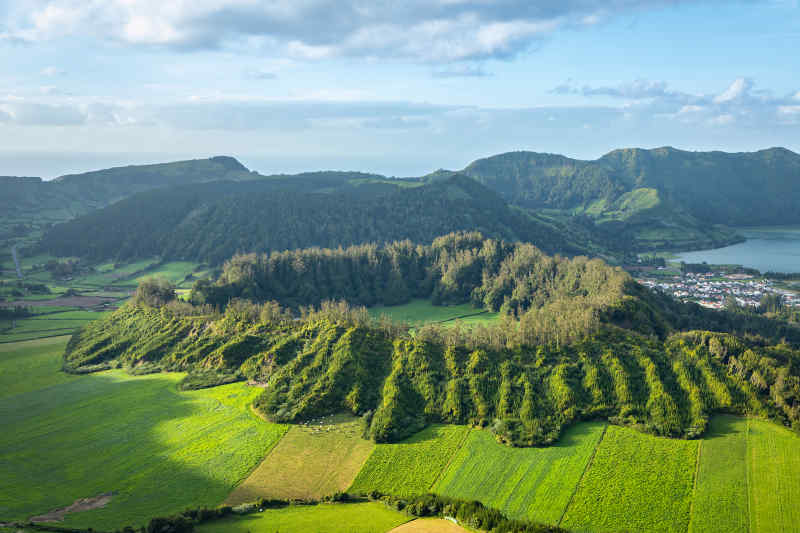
(369, 517)
(158, 450)
(411, 466)
(310, 461)
(524, 483)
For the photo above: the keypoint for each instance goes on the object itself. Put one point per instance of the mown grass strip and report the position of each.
(774, 454)
(721, 494)
(411, 466)
(530, 483)
(636, 482)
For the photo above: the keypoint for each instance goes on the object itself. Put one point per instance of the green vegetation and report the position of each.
(31, 366)
(30, 205)
(213, 221)
(635, 482)
(45, 325)
(721, 488)
(411, 466)
(524, 483)
(371, 517)
(158, 450)
(773, 463)
(311, 461)
(420, 311)
(653, 199)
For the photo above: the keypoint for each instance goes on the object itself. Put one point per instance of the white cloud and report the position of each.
(317, 29)
(739, 88)
(52, 71)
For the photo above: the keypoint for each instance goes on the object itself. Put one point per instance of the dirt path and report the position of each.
(84, 504)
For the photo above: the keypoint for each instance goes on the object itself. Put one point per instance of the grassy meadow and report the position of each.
(773, 456)
(635, 482)
(420, 311)
(158, 450)
(371, 517)
(413, 465)
(525, 483)
(310, 461)
(720, 498)
(430, 525)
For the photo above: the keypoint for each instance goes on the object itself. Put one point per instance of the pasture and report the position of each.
(309, 462)
(371, 517)
(158, 450)
(420, 311)
(524, 483)
(46, 325)
(411, 466)
(429, 525)
(720, 498)
(635, 482)
(773, 457)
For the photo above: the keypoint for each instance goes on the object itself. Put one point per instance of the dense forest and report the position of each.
(578, 340)
(211, 222)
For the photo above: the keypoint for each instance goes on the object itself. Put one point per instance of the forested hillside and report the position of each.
(578, 340)
(211, 222)
(659, 198)
(30, 205)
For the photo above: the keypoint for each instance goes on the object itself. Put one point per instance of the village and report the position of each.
(711, 289)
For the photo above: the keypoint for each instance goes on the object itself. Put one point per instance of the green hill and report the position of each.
(669, 198)
(31, 205)
(211, 222)
(578, 340)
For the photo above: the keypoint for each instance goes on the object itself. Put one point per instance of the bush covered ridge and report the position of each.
(542, 368)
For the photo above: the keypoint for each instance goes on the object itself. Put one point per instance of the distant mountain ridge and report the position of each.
(211, 222)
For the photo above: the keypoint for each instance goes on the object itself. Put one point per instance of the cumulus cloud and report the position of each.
(740, 88)
(436, 31)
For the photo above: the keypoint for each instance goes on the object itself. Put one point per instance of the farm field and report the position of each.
(46, 325)
(371, 517)
(32, 365)
(429, 525)
(524, 483)
(720, 498)
(411, 466)
(635, 482)
(158, 450)
(309, 462)
(773, 464)
(175, 272)
(420, 311)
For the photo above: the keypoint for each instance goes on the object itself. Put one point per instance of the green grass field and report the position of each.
(159, 450)
(418, 312)
(309, 462)
(524, 483)
(46, 325)
(411, 466)
(720, 498)
(635, 482)
(371, 517)
(774, 477)
(175, 271)
(31, 365)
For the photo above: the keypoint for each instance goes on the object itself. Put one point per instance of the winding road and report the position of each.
(16, 260)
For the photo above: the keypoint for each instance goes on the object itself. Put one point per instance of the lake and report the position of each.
(767, 249)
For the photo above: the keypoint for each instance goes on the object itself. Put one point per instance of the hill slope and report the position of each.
(579, 340)
(655, 197)
(30, 205)
(211, 222)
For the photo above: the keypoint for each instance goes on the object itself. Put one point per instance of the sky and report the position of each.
(396, 87)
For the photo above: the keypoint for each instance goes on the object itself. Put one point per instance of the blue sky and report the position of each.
(400, 88)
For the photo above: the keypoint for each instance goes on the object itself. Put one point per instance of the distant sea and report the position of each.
(775, 249)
